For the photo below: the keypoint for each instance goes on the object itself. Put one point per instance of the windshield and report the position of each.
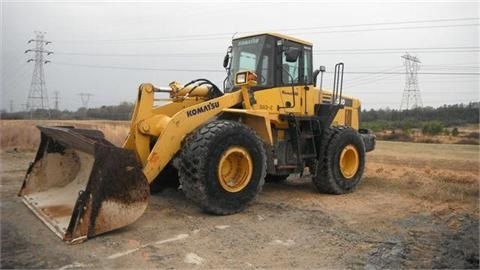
(253, 54)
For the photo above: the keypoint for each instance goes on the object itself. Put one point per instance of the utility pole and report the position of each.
(38, 95)
(56, 98)
(11, 105)
(411, 94)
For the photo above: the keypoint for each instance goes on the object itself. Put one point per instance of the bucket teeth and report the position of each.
(80, 185)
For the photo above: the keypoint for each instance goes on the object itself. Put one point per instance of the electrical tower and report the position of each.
(411, 94)
(38, 95)
(85, 97)
(56, 98)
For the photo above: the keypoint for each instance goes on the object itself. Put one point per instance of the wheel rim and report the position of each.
(235, 169)
(349, 161)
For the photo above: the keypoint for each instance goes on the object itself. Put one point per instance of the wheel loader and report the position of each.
(270, 120)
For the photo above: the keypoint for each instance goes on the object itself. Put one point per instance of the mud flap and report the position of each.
(81, 185)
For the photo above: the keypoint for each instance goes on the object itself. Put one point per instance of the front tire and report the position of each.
(342, 161)
(222, 167)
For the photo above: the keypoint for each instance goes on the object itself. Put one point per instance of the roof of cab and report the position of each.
(278, 36)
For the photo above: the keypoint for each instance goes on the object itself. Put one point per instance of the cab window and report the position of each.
(290, 71)
(307, 65)
(255, 54)
(247, 61)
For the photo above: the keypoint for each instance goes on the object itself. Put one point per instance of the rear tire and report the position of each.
(222, 167)
(342, 161)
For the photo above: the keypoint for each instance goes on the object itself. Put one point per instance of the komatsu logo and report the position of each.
(248, 41)
(205, 108)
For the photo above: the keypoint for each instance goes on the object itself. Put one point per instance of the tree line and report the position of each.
(428, 119)
(122, 111)
(376, 120)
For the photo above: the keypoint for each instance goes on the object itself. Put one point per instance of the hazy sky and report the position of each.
(108, 49)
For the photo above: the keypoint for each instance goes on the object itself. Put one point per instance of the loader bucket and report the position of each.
(81, 185)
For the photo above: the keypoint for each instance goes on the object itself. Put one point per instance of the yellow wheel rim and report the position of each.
(349, 161)
(235, 169)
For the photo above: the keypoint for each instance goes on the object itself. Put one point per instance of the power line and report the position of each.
(470, 64)
(372, 79)
(389, 69)
(316, 52)
(422, 73)
(395, 92)
(390, 28)
(14, 64)
(453, 49)
(212, 36)
(139, 68)
(141, 55)
(386, 23)
(450, 101)
(11, 72)
(16, 80)
(360, 80)
(221, 71)
(389, 78)
(401, 49)
(473, 64)
(452, 68)
(396, 52)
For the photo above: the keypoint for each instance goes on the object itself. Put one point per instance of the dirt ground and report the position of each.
(417, 207)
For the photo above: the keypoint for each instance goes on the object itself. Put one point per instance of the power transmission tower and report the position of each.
(11, 105)
(56, 98)
(85, 97)
(38, 95)
(411, 94)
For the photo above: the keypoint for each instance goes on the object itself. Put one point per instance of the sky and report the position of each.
(107, 49)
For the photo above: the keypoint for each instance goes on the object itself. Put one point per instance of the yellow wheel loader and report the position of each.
(271, 120)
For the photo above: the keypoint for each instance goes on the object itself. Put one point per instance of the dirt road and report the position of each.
(416, 208)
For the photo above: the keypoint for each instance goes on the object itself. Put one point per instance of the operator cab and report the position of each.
(276, 59)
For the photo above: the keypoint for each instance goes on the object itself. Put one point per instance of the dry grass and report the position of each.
(433, 174)
(23, 134)
(426, 152)
(468, 134)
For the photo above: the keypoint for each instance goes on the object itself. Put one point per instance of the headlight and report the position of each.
(245, 77)
(241, 78)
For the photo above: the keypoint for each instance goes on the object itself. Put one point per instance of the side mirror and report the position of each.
(291, 54)
(228, 56)
(226, 59)
(321, 70)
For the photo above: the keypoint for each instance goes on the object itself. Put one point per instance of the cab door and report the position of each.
(290, 77)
